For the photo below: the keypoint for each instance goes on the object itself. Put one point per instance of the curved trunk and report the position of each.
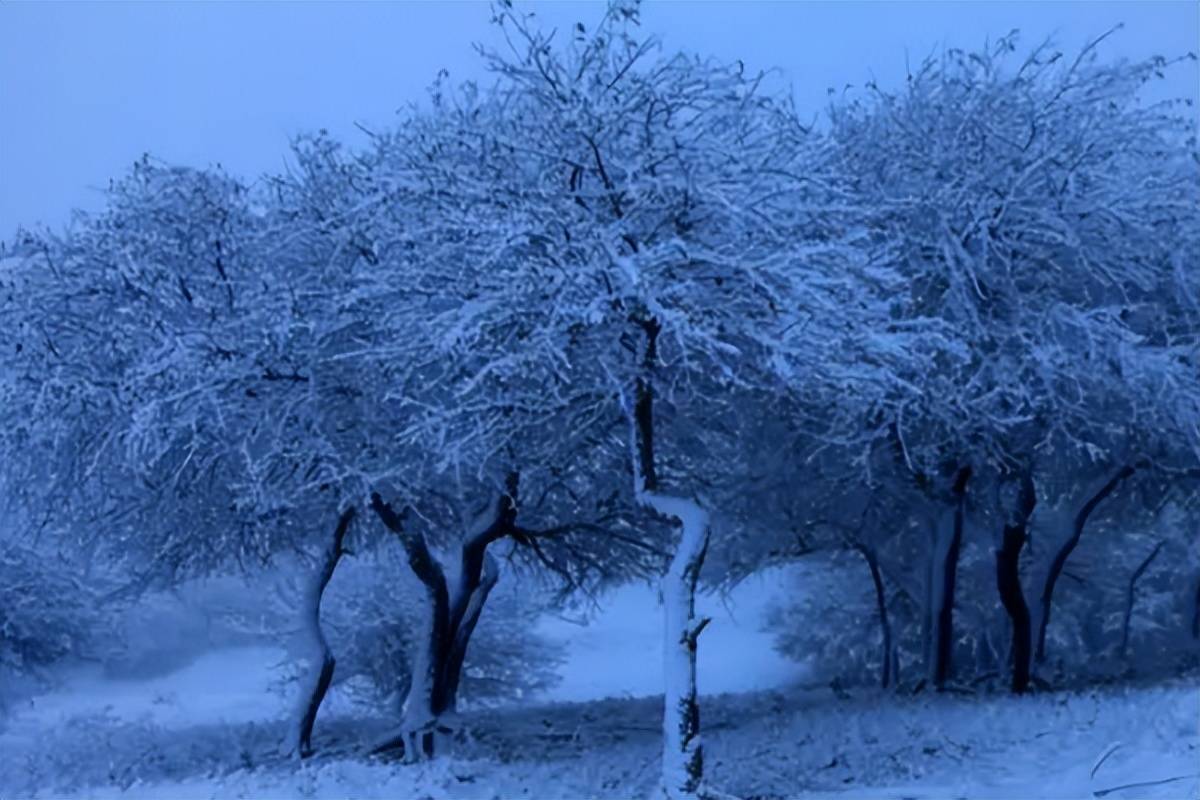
(316, 684)
(1008, 582)
(421, 704)
(683, 750)
(885, 625)
(1064, 552)
(420, 712)
(1130, 595)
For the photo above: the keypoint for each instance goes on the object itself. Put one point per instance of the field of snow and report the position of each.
(213, 727)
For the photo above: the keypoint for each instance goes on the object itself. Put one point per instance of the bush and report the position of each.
(46, 613)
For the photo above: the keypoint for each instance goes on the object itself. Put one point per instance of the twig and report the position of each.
(1103, 792)
(1112, 748)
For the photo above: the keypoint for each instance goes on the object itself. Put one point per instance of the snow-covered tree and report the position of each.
(676, 257)
(172, 407)
(472, 454)
(1042, 213)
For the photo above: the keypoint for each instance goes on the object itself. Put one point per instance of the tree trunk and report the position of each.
(1196, 612)
(1129, 597)
(477, 575)
(1060, 557)
(448, 623)
(885, 625)
(1008, 582)
(947, 572)
(683, 751)
(316, 684)
(420, 711)
(461, 635)
(927, 600)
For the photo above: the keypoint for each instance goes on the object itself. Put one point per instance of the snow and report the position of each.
(763, 744)
(216, 728)
(230, 686)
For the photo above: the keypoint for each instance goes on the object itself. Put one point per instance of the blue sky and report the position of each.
(86, 88)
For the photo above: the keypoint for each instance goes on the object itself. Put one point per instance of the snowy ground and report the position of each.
(212, 728)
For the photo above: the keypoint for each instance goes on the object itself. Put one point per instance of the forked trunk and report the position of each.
(422, 703)
(420, 712)
(460, 634)
(447, 624)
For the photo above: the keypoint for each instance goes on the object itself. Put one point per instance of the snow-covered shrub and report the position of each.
(46, 613)
(830, 622)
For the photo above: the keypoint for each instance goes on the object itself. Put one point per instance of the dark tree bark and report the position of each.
(885, 625)
(927, 615)
(644, 408)
(314, 693)
(1196, 613)
(1008, 582)
(477, 577)
(1130, 595)
(437, 670)
(944, 635)
(462, 628)
(421, 712)
(1064, 552)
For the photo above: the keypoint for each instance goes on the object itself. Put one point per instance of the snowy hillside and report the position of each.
(212, 730)
(214, 727)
